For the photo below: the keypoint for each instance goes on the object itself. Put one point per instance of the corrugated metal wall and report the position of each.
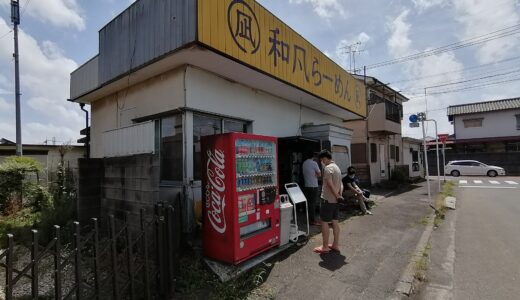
(145, 31)
(85, 78)
(137, 139)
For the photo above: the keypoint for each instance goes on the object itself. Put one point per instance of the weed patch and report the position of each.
(421, 265)
(197, 282)
(440, 209)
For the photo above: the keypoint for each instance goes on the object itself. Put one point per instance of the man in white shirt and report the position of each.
(330, 195)
(311, 173)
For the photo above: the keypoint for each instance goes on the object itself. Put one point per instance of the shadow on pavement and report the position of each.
(332, 261)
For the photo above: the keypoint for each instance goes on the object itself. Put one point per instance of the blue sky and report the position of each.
(59, 35)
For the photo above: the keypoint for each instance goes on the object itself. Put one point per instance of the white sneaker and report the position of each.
(368, 213)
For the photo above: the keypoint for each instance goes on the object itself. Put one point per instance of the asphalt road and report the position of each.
(475, 253)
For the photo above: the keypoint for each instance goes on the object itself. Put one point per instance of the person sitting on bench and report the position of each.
(353, 190)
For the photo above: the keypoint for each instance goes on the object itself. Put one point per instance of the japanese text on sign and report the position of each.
(246, 31)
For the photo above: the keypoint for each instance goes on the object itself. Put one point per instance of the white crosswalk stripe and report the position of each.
(511, 182)
(477, 181)
(494, 182)
(463, 181)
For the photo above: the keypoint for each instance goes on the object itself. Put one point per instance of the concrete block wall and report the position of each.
(129, 184)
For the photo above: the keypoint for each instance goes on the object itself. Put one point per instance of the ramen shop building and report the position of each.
(171, 71)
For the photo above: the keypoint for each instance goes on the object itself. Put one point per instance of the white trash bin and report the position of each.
(286, 218)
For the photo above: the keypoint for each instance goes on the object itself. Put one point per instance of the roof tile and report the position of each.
(484, 106)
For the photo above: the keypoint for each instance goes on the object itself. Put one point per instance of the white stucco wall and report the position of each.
(159, 94)
(205, 91)
(495, 124)
(270, 115)
(408, 158)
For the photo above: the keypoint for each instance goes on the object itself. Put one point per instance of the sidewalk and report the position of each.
(374, 251)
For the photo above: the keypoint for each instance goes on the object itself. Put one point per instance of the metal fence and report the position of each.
(113, 259)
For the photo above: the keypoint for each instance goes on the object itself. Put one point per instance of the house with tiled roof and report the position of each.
(491, 126)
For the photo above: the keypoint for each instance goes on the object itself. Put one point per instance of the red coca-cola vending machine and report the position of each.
(241, 205)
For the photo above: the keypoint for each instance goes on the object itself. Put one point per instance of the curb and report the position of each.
(404, 286)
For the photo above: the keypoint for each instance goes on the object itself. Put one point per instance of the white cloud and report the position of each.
(325, 8)
(7, 130)
(485, 16)
(38, 133)
(60, 13)
(5, 107)
(425, 4)
(44, 78)
(399, 43)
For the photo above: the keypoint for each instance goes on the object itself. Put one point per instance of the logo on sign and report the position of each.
(215, 190)
(243, 26)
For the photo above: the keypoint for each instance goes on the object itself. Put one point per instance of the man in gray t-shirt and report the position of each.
(311, 173)
(330, 194)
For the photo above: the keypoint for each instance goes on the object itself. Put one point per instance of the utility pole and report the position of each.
(15, 19)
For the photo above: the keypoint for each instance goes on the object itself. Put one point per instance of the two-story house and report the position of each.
(492, 126)
(377, 142)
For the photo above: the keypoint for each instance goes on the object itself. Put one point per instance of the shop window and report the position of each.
(397, 153)
(234, 126)
(513, 147)
(204, 125)
(373, 152)
(470, 123)
(517, 122)
(171, 149)
(473, 148)
(392, 151)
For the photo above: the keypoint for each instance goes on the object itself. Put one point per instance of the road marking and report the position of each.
(488, 187)
(494, 182)
(477, 181)
(511, 182)
(463, 181)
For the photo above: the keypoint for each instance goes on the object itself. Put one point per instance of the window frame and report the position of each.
(467, 123)
(159, 127)
(247, 128)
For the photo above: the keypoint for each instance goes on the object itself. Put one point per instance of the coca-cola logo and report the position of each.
(215, 190)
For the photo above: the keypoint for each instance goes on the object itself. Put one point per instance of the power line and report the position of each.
(430, 110)
(23, 10)
(467, 88)
(466, 81)
(462, 70)
(25, 6)
(6, 34)
(504, 32)
(474, 87)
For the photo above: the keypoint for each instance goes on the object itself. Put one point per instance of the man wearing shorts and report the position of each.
(330, 194)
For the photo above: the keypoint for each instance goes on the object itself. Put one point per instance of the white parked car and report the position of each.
(472, 167)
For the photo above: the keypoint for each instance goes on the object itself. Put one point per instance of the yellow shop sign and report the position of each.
(246, 31)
